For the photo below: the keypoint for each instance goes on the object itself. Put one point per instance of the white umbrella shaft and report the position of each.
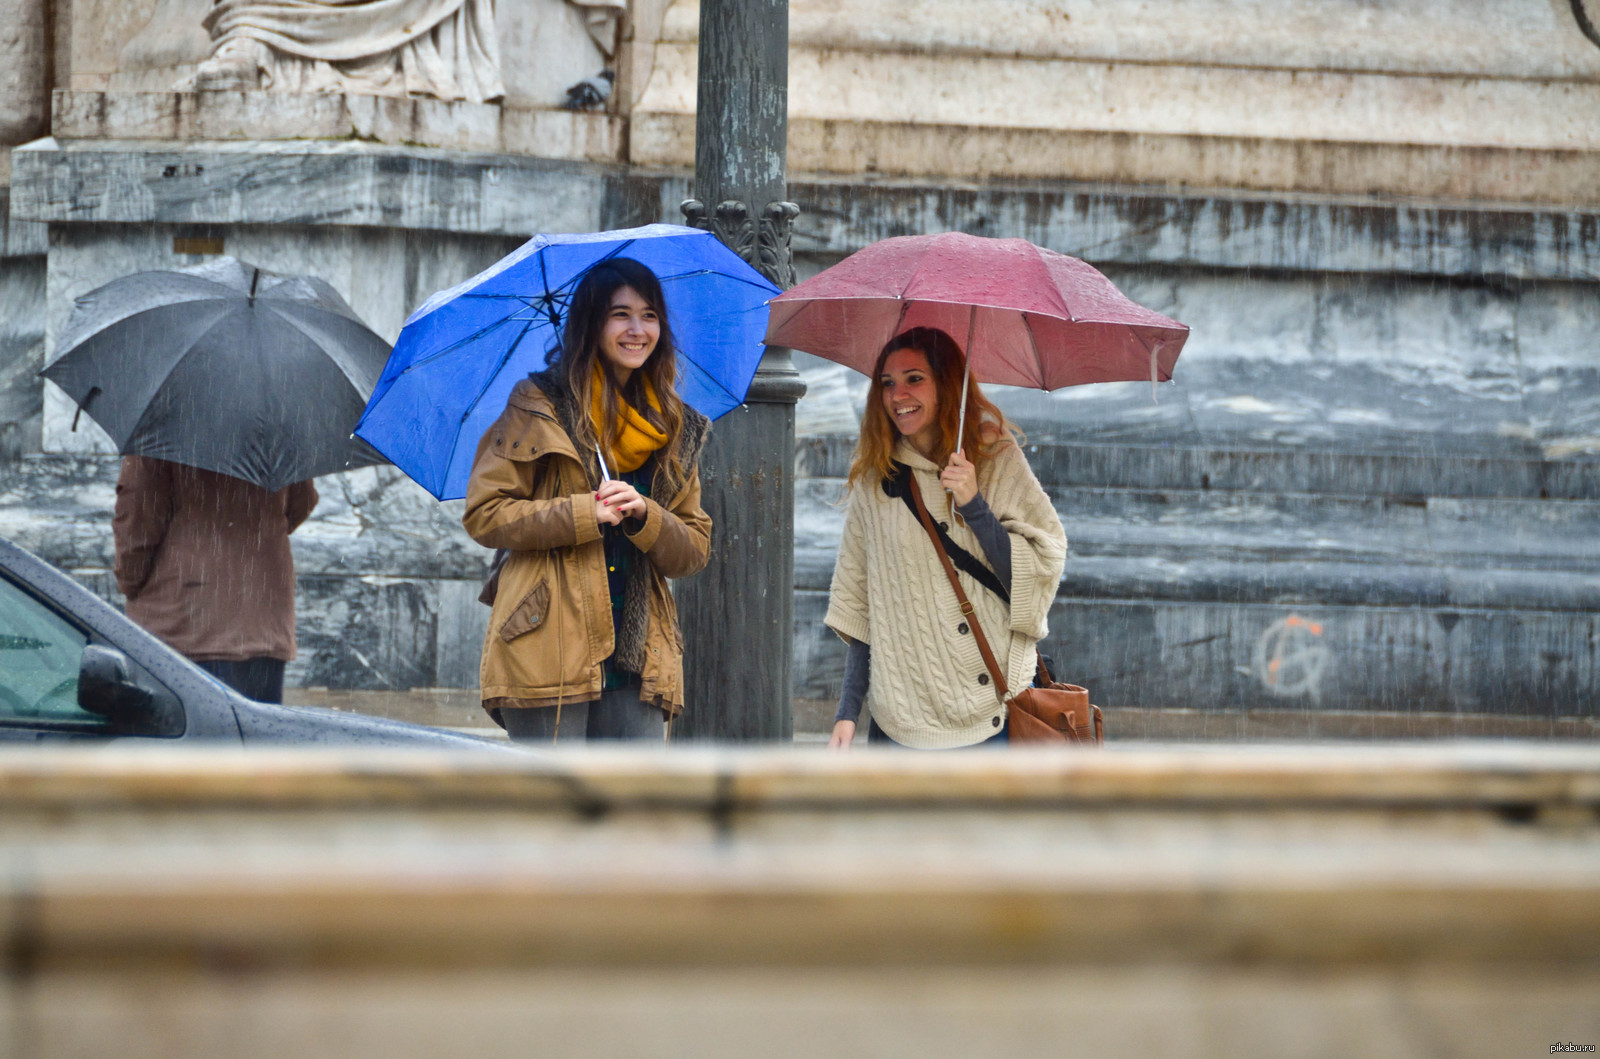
(961, 417)
(966, 376)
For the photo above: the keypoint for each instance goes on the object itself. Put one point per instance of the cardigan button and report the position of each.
(945, 526)
(983, 678)
(995, 722)
(962, 629)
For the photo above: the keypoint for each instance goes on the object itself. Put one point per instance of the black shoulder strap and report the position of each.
(964, 560)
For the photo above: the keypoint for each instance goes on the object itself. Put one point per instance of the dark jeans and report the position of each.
(616, 714)
(878, 736)
(260, 679)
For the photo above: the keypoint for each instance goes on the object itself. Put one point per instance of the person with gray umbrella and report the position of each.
(227, 388)
(203, 559)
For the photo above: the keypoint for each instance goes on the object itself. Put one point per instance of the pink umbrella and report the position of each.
(1026, 316)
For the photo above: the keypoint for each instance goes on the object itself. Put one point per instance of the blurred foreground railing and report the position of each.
(1334, 901)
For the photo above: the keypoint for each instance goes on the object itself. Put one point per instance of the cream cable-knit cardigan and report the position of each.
(889, 590)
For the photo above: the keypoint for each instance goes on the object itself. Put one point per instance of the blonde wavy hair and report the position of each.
(987, 428)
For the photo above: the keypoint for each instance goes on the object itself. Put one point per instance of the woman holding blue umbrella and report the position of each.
(589, 482)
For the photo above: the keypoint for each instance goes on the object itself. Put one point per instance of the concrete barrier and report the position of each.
(1330, 901)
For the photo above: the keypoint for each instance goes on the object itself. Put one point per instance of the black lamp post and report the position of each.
(738, 614)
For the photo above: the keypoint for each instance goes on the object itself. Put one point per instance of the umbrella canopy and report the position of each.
(461, 353)
(1026, 316)
(225, 367)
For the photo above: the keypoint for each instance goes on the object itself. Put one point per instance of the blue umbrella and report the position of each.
(459, 355)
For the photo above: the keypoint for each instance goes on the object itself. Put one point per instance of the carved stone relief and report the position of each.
(446, 49)
(764, 242)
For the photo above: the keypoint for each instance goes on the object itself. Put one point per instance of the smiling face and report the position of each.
(630, 333)
(911, 398)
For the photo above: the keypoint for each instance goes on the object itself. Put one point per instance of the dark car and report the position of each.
(73, 667)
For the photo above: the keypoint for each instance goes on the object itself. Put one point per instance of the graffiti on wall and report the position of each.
(1289, 658)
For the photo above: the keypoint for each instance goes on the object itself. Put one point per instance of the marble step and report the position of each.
(1396, 473)
(1209, 544)
(1291, 654)
(1220, 600)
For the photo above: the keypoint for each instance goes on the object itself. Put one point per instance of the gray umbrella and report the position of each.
(226, 367)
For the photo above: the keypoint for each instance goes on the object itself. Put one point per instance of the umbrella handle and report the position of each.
(605, 475)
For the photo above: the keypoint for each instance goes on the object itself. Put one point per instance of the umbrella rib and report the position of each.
(718, 382)
(452, 347)
(544, 278)
(62, 350)
(764, 284)
(165, 378)
(1038, 358)
(493, 375)
(289, 319)
(498, 368)
(576, 278)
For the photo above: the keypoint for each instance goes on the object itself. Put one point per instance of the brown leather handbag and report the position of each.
(1049, 713)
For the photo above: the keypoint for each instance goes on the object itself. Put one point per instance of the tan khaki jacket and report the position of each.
(551, 626)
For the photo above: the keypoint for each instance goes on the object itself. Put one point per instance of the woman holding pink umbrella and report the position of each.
(913, 654)
(937, 634)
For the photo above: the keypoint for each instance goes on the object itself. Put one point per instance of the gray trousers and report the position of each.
(616, 714)
(260, 679)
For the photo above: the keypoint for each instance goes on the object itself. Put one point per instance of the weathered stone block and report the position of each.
(410, 122)
(24, 71)
(1112, 225)
(1312, 100)
(372, 632)
(21, 354)
(462, 624)
(18, 238)
(303, 182)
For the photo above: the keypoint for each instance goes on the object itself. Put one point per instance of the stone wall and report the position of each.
(1459, 99)
(24, 73)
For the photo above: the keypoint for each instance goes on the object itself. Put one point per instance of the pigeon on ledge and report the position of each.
(591, 92)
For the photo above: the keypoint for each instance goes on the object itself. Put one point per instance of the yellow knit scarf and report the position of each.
(639, 437)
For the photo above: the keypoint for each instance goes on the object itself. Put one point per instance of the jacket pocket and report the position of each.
(529, 614)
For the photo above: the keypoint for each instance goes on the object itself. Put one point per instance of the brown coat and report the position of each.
(552, 626)
(204, 559)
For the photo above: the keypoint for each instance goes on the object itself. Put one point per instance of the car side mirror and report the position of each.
(106, 688)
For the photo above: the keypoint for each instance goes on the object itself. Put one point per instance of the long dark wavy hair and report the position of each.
(580, 352)
(986, 429)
